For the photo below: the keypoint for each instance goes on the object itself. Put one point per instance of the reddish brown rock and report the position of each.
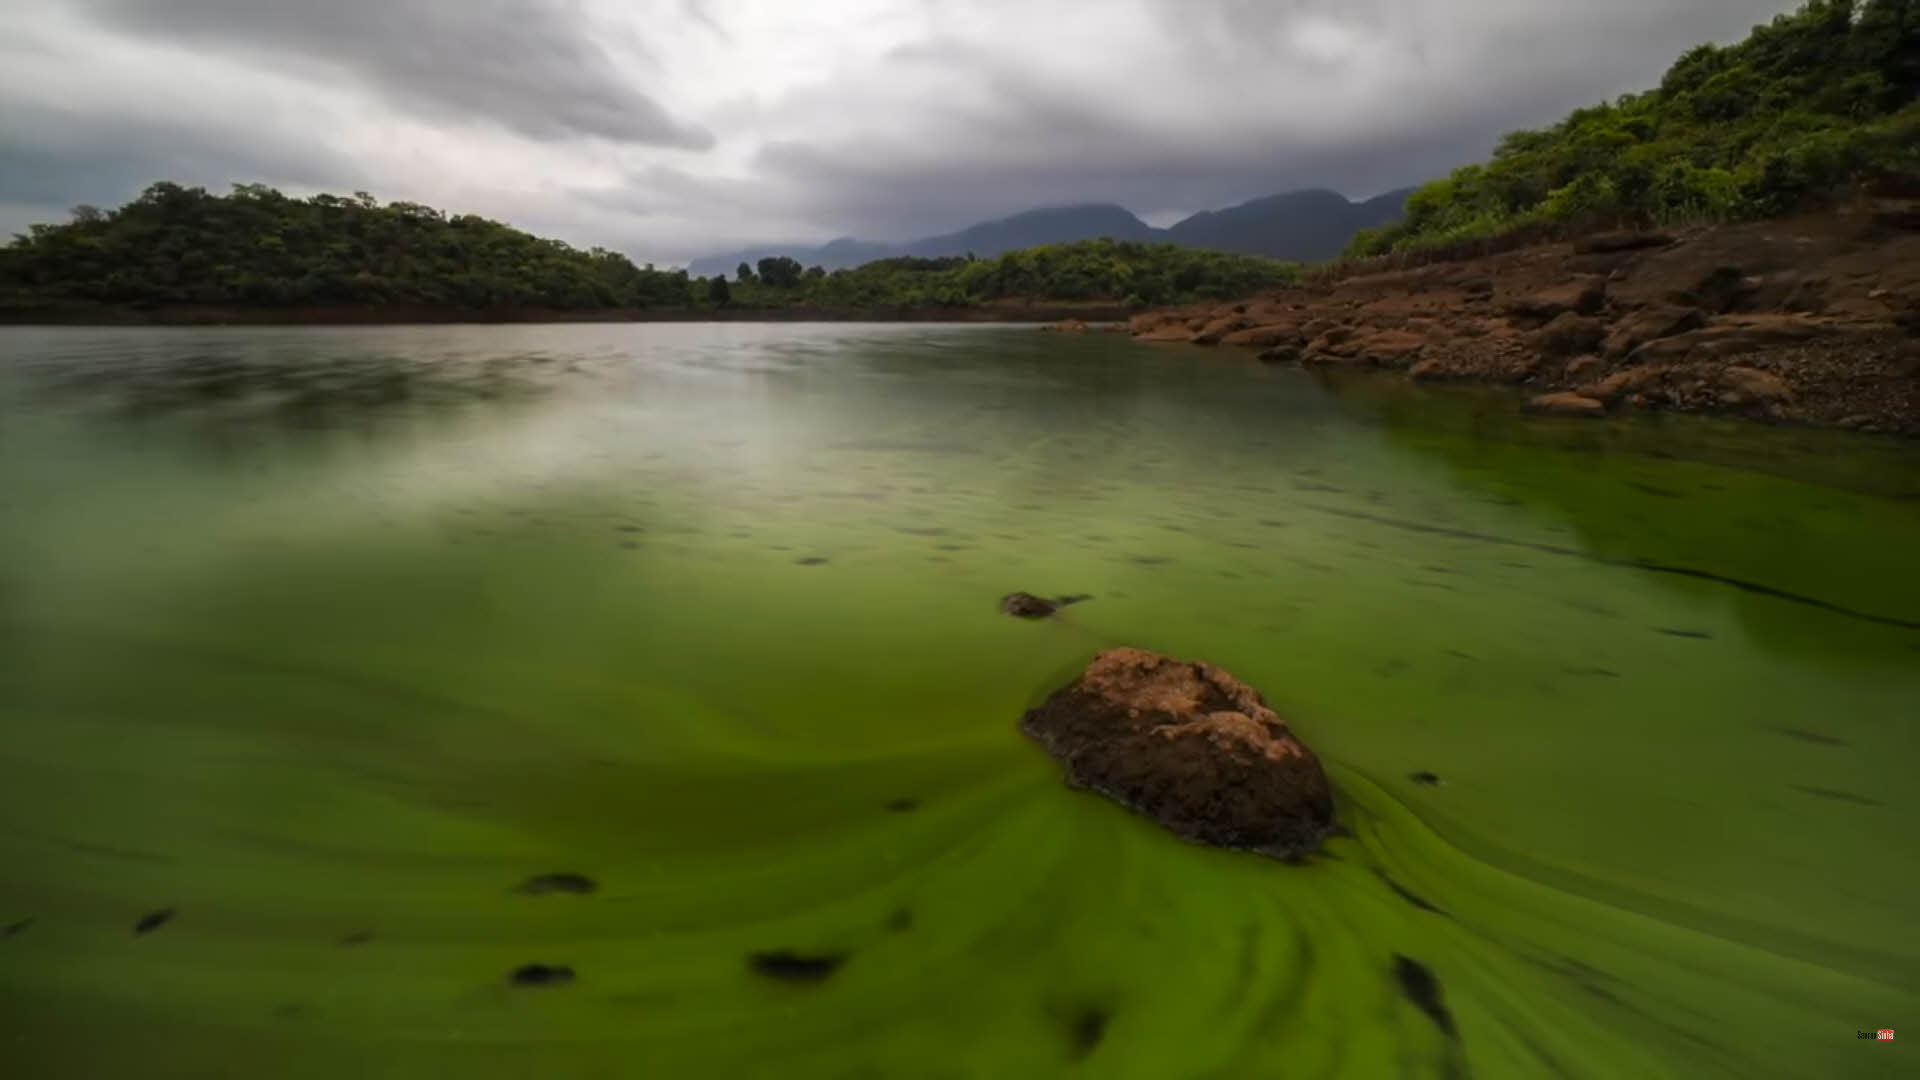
(1581, 368)
(1067, 326)
(1213, 331)
(1749, 386)
(1263, 337)
(1191, 747)
(1582, 296)
(1564, 404)
(1569, 335)
(1651, 324)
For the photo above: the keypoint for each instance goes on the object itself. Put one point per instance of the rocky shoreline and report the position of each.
(1811, 320)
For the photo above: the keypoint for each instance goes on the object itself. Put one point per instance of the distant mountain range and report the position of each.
(1304, 225)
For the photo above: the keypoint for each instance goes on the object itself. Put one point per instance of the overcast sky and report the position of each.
(673, 128)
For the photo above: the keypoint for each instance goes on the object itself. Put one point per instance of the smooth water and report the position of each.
(327, 640)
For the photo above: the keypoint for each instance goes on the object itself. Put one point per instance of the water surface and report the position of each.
(326, 641)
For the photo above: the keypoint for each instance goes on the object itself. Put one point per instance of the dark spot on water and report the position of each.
(1458, 655)
(1086, 1027)
(1308, 485)
(933, 530)
(153, 920)
(1423, 990)
(629, 544)
(811, 560)
(358, 937)
(1424, 777)
(1810, 736)
(1409, 895)
(14, 929)
(789, 966)
(1700, 635)
(1440, 569)
(1837, 796)
(541, 975)
(900, 921)
(1598, 672)
(1665, 493)
(1149, 560)
(1272, 524)
(901, 806)
(1098, 539)
(564, 882)
(953, 547)
(1232, 575)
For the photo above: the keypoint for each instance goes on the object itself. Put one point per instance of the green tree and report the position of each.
(781, 272)
(719, 292)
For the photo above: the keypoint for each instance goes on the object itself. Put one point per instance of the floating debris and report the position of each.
(541, 975)
(153, 921)
(790, 966)
(543, 884)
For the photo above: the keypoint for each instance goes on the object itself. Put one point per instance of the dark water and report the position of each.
(617, 701)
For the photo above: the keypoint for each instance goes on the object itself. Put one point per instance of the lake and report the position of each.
(346, 673)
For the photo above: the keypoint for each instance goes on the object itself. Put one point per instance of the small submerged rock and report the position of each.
(541, 975)
(565, 882)
(153, 920)
(1191, 747)
(789, 966)
(1022, 605)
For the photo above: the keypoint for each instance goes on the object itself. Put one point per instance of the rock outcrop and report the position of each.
(1191, 747)
(1809, 320)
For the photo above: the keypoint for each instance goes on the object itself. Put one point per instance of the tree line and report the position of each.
(255, 246)
(1822, 101)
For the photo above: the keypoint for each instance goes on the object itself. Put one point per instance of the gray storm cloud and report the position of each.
(531, 66)
(674, 128)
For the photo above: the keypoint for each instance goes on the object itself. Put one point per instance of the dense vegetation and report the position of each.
(179, 245)
(1088, 271)
(1815, 104)
(258, 247)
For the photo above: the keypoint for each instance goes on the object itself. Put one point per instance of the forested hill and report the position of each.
(257, 248)
(179, 245)
(1809, 108)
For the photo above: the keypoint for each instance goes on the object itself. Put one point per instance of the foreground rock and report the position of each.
(1191, 747)
(1812, 320)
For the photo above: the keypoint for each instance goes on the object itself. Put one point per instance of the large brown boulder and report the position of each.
(1191, 747)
